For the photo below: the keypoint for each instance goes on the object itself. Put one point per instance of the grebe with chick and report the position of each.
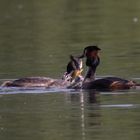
(72, 78)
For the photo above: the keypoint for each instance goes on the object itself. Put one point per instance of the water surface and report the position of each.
(70, 115)
(36, 39)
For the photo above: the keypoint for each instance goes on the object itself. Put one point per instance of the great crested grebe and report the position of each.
(73, 79)
(107, 83)
(72, 75)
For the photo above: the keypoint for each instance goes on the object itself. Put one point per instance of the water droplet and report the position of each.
(135, 19)
(20, 6)
(1, 128)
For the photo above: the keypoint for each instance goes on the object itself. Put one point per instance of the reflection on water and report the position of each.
(105, 116)
(69, 115)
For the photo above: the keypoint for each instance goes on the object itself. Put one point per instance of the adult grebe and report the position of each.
(73, 73)
(107, 83)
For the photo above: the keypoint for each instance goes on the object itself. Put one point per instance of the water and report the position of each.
(36, 39)
(70, 115)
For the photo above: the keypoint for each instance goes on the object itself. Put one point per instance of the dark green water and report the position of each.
(36, 39)
(70, 116)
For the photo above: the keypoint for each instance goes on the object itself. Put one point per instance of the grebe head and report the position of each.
(90, 51)
(75, 63)
(74, 68)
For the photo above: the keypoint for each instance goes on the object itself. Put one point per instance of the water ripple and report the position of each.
(120, 106)
(19, 90)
